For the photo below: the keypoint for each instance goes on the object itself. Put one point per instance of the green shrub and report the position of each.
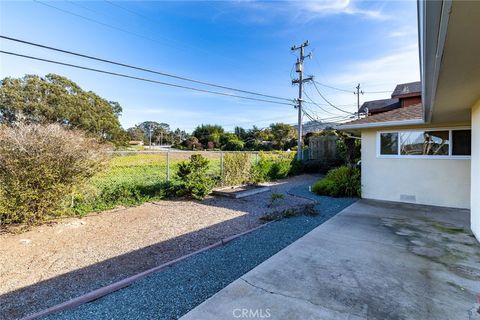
(39, 167)
(340, 182)
(275, 165)
(236, 168)
(325, 187)
(193, 178)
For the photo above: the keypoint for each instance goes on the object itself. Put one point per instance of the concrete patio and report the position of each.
(374, 260)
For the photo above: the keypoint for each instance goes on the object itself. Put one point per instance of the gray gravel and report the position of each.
(173, 292)
(75, 256)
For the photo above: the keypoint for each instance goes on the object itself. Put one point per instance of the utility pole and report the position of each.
(358, 93)
(150, 130)
(300, 81)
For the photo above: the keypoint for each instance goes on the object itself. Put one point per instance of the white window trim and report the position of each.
(429, 157)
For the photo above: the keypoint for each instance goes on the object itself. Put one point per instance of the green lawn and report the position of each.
(134, 178)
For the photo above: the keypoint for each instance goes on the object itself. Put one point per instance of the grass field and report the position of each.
(133, 178)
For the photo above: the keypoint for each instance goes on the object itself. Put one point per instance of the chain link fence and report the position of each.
(162, 166)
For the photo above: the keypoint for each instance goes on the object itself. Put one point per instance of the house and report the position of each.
(404, 95)
(135, 143)
(427, 150)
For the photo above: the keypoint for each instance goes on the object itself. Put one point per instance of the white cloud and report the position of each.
(395, 67)
(330, 7)
(378, 74)
(397, 34)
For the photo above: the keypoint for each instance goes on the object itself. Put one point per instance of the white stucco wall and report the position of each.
(440, 182)
(475, 191)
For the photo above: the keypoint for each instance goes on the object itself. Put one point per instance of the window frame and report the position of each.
(431, 157)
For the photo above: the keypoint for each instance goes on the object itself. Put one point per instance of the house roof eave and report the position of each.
(397, 123)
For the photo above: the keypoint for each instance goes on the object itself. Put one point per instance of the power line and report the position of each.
(250, 122)
(140, 68)
(377, 92)
(331, 104)
(349, 91)
(322, 121)
(146, 18)
(141, 79)
(331, 87)
(97, 22)
(320, 107)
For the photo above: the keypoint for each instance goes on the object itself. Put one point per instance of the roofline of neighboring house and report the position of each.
(381, 124)
(432, 30)
(406, 95)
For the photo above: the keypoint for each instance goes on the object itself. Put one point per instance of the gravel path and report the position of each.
(51, 264)
(173, 292)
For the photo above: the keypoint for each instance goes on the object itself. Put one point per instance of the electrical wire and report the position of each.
(331, 87)
(99, 22)
(331, 104)
(320, 107)
(140, 68)
(349, 91)
(250, 122)
(377, 92)
(337, 118)
(141, 79)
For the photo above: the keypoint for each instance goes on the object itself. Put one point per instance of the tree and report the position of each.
(241, 133)
(158, 131)
(178, 136)
(192, 143)
(135, 133)
(207, 132)
(282, 135)
(231, 142)
(56, 99)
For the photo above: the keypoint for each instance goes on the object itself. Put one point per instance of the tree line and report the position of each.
(278, 136)
(56, 99)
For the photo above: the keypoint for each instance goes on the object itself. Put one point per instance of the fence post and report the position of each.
(256, 157)
(221, 167)
(168, 165)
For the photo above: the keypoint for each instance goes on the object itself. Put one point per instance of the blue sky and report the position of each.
(241, 44)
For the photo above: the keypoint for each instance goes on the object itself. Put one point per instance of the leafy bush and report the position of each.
(237, 167)
(193, 178)
(273, 166)
(340, 182)
(39, 167)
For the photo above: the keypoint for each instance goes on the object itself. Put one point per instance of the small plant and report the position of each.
(275, 197)
(340, 182)
(308, 210)
(193, 178)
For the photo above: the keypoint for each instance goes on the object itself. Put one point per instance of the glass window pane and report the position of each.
(461, 142)
(433, 143)
(389, 143)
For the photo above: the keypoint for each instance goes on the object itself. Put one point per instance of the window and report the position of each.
(420, 143)
(389, 143)
(461, 142)
(438, 143)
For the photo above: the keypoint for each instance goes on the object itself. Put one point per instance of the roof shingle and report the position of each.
(413, 112)
(379, 105)
(407, 89)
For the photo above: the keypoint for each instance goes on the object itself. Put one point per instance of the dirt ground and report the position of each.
(75, 256)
